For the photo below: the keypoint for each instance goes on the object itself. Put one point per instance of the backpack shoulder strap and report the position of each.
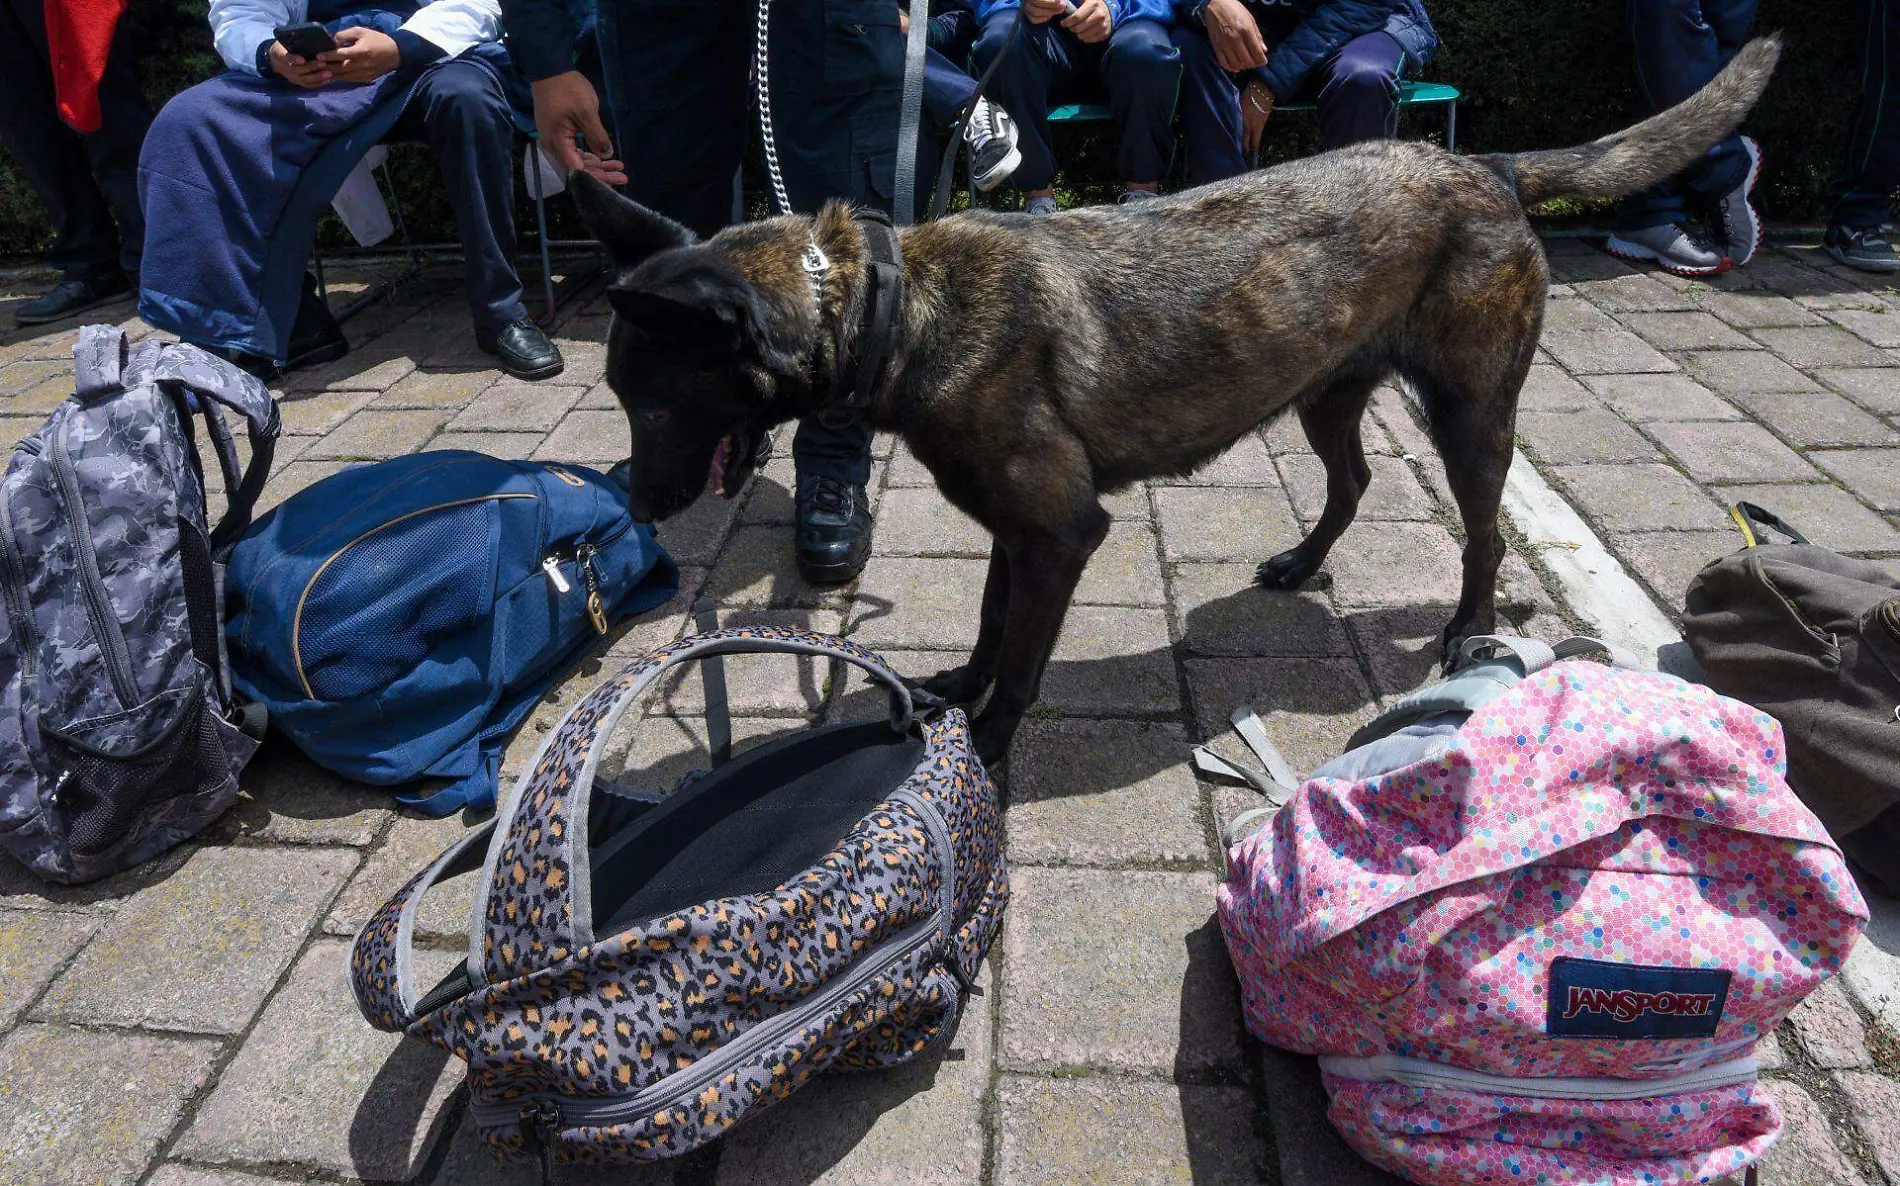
(1485, 667)
(216, 381)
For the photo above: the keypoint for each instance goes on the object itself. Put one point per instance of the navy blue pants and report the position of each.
(1680, 46)
(678, 81)
(946, 91)
(1357, 90)
(1864, 189)
(461, 112)
(1049, 66)
(84, 181)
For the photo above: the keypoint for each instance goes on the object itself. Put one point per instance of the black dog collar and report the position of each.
(861, 374)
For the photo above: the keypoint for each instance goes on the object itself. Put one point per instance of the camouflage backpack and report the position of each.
(117, 729)
(646, 970)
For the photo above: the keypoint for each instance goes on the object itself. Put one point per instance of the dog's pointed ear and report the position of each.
(629, 231)
(704, 307)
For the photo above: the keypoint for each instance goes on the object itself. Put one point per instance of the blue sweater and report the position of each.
(1119, 10)
(1327, 25)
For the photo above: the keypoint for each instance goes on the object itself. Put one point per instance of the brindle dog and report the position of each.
(1042, 361)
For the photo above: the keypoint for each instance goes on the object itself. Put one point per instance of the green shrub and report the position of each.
(1534, 75)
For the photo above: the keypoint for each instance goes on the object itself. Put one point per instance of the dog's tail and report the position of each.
(1653, 151)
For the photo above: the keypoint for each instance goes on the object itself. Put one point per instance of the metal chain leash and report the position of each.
(815, 263)
(761, 74)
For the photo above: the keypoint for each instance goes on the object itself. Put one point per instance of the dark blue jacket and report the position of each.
(1326, 26)
(549, 37)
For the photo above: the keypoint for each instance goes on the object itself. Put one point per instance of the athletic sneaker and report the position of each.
(1131, 196)
(1041, 204)
(1741, 222)
(991, 138)
(1862, 247)
(1670, 247)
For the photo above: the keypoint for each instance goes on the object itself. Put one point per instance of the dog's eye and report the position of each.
(658, 416)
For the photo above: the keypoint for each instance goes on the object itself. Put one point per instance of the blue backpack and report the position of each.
(400, 619)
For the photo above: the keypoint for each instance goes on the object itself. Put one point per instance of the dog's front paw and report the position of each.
(957, 685)
(991, 736)
(1288, 570)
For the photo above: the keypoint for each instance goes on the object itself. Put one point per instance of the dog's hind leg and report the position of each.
(966, 684)
(1332, 424)
(1470, 348)
(1471, 410)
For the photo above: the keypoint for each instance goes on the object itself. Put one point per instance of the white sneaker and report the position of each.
(990, 135)
(1670, 247)
(1041, 204)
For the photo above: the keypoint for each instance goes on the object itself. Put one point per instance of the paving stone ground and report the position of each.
(190, 1024)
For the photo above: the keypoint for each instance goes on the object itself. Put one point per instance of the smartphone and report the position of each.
(306, 40)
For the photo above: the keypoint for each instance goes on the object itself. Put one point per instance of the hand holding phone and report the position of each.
(306, 41)
(294, 55)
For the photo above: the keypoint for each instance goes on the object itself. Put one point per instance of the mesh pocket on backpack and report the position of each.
(116, 771)
(382, 603)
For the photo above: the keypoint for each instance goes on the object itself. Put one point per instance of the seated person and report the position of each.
(1065, 52)
(1240, 57)
(991, 134)
(237, 169)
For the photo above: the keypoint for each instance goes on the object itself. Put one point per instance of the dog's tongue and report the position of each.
(722, 458)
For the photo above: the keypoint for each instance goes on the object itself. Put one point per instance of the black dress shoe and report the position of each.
(524, 350)
(72, 296)
(834, 530)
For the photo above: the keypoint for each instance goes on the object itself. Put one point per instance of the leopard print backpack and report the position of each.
(646, 970)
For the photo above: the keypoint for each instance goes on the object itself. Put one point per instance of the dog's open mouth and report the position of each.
(732, 462)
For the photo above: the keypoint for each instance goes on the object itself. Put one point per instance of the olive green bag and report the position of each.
(1813, 638)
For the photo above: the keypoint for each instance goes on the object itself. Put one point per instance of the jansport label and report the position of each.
(1595, 999)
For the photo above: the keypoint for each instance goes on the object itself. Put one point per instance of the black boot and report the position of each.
(834, 530)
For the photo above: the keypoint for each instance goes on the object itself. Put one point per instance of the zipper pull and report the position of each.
(596, 608)
(542, 1120)
(552, 566)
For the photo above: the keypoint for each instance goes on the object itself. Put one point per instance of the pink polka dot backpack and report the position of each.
(1535, 919)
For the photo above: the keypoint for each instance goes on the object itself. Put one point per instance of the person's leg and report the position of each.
(1864, 188)
(1142, 71)
(460, 110)
(1677, 53)
(1021, 85)
(114, 148)
(837, 87)
(952, 32)
(947, 90)
(49, 153)
(1210, 109)
(676, 80)
(1359, 91)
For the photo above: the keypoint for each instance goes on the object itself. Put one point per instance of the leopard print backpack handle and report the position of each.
(533, 908)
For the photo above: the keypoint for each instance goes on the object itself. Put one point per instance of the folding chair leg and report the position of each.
(402, 226)
(547, 264)
(1451, 126)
